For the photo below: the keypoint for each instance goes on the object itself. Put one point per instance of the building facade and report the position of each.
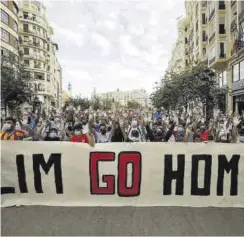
(214, 34)
(39, 53)
(178, 61)
(9, 27)
(123, 97)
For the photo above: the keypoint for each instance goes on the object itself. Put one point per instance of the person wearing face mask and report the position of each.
(103, 136)
(81, 137)
(117, 135)
(9, 131)
(179, 133)
(134, 132)
(52, 135)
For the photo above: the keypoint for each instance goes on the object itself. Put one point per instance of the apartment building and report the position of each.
(39, 53)
(178, 61)
(123, 97)
(9, 27)
(214, 34)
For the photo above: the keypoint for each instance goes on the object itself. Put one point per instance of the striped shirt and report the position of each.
(14, 136)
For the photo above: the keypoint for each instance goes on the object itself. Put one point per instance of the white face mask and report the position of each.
(52, 135)
(134, 123)
(58, 124)
(77, 132)
(6, 127)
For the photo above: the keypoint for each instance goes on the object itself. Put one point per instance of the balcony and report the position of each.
(233, 3)
(211, 15)
(233, 26)
(204, 3)
(241, 16)
(36, 44)
(211, 38)
(211, 60)
(222, 55)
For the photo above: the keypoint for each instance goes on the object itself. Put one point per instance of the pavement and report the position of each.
(127, 221)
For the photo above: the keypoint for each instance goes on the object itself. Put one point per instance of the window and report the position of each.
(26, 51)
(15, 26)
(34, 28)
(27, 63)
(4, 52)
(197, 26)
(242, 70)
(26, 28)
(48, 47)
(25, 15)
(224, 78)
(48, 77)
(39, 76)
(204, 51)
(4, 17)
(221, 28)
(235, 73)
(26, 38)
(203, 19)
(221, 5)
(204, 36)
(4, 35)
(185, 40)
(222, 50)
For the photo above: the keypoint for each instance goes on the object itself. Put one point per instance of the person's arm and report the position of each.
(91, 141)
(40, 132)
(28, 130)
(122, 128)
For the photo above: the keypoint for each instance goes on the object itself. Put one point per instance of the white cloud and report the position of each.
(127, 46)
(102, 42)
(68, 35)
(114, 44)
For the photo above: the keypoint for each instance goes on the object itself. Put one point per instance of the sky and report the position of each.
(113, 44)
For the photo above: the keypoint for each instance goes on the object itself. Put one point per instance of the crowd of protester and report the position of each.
(123, 126)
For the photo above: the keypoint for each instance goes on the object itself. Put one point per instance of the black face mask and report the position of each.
(84, 122)
(103, 131)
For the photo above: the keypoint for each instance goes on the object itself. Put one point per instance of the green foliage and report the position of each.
(16, 83)
(193, 84)
(133, 105)
(77, 102)
(96, 103)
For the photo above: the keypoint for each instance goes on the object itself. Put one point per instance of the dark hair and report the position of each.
(10, 119)
(78, 126)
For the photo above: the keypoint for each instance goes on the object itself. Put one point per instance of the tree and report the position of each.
(133, 105)
(196, 83)
(77, 102)
(106, 104)
(16, 83)
(96, 103)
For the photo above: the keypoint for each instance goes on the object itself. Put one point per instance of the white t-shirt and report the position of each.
(103, 138)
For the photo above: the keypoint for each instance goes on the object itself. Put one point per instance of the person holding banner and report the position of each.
(81, 137)
(10, 132)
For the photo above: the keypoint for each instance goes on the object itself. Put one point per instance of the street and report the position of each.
(43, 220)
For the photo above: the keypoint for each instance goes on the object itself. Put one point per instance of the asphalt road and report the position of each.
(42, 220)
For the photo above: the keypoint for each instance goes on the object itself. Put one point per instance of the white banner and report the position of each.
(122, 174)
